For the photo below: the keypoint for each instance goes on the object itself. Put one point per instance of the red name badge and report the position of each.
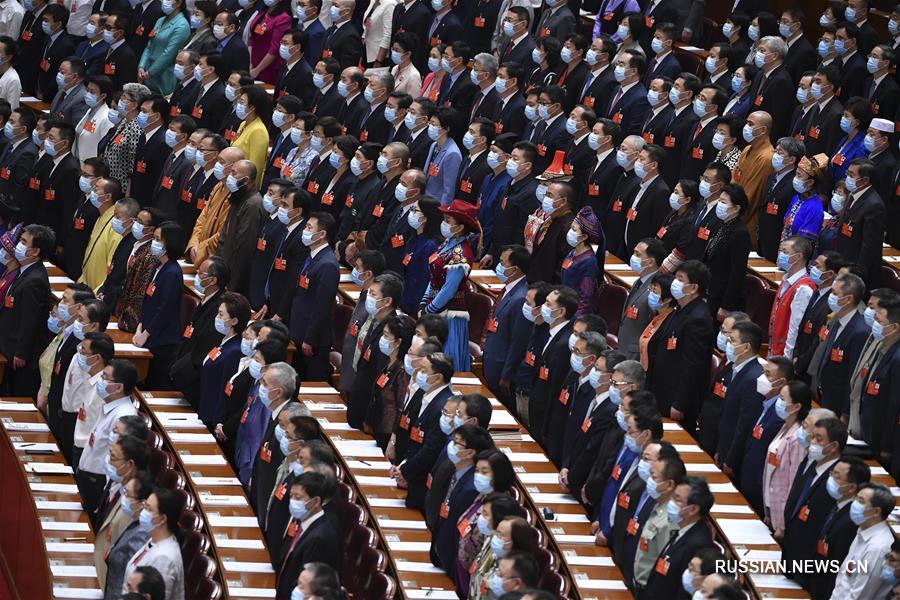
(529, 358)
(280, 264)
(564, 396)
(823, 333)
(822, 547)
(428, 481)
(26, 35)
(4, 173)
(244, 415)
(631, 215)
(544, 374)
(672, 343)
(807, 327)
(758, 100)
(492, 325)
(188, 332)
(662, 232)
(406, 259)
(261, 244)
(803, 514)
(479, 22)
(814, 133)
(631, 312)
(382, 380)
(588, 101)
(292, 529)
(719, 389)
(433, 257)
(49, 194)
(669, 141)
(327, 198)
(773, 459)
(167, 182)
(367, 354)
(265, 454)
(417, 435)
(617, 206)
(566, 264)
(34, 183)
(197, 112)
(662, 565)
(771, 208)
(593, 189)
(214, 353)
(837, 355)
(140, 166)
(873, 387)
(260, 29)
(304, 282)
(151, 289)
(82, 415)
(445, 510)
(396, 240)
(586, 424)
(633, 526)
(847, 230)
(363, 135)
(433, 170)
(617, 472)
(703, 233)
(78, 224)
(45, 64)
(228, 388)
(542, 149)
(757, 432)
(280, 491)
(623, 500)
(377, 210)
(648, 137)
(404, 422)
(617, 118)
(697, 153)
(466, 186)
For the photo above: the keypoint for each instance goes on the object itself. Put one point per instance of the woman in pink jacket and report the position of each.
(785, 452)
(265, 30)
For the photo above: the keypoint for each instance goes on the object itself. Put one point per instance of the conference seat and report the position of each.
(160, 460)
(354, 516)
(890, 278)
(690, 62)
(201, 567)
(194, 543)
(171, 479)
(209, 590)
(612, 341)
(154, 440)
(556, 584)
(189, 303)
(382, 587)
(760, 298)
(358, 574)
(612, 300)
(190, 521)
(480, 307)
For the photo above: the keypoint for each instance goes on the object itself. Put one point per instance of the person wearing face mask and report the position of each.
(59, 191)
(739, 104)
(869, 510)
(755, 165)
(546, 231)
(285, 118)
(780, 193)
(84, 218)
(879, 86)
(823, 127)
(801, 55)
(165, 37)
(793, 297)
(861, 219)
(177, 168)
(187, 86)
(718, 65)
(742, 404)
(211, 105)
(114, 388)
(204, 239)
(804, 112)
(514, 570)
(679, 133)
(19, 162)
(68, 103)
(157, 331)
(478, 142)
(59, 46)
(201, 154)
(229, 43)
(221, 362)
(396, 236)
(326, 101)
(808, 502)
(581, 269)
(201, 20)
(101, 245)
(132, 264)
(878, 143)
(272, 244)
(823, 272)
(853, 123)
(550, 133)
(266, 28)
(321, 176)
(342, 40)
(848, 45)
(151, 151)
(604, 171)
(385, 405)
(364, 194)
(727, 254)
(772, 85)
(125, 537)
(159, 517)
(839, 530)
(94, 125)
(636, 312)
(31, 41)
(643, 208)
(580, 155)
(600, 82)
(525, 372)
(655, 528)
(875, 383)
(310, 536)
(296, 154)
(663, 63)
(200, 335)
(846, 335)
(661, 110)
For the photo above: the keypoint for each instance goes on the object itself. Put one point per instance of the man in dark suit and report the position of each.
(580, 156)
(801, 55)
(60, 45)
(550, 132)
(143, 18)
(317, 284)
(681, 374)
(701, 145)
(320, 170)
(507, 330)
(414, 17)
(557, 21)
(487, 98)
(824, 125)
(120, 62)
(200, 335)
(605, 171)
(664, 63)
(743, 401)
(295, 75)
(552, 366)
(880, 88)
(754, 454)
(24, 312)
(813, 324)
(847, 332)
(187, 88)
(475, 167)
(17, 159)
(342, 40)
(838, 530)
(234, 52)
(646, 207)
(176, 168)
(802, 115)
(281, 381)
(600, 83)
(549, 252)
(307, 13)
(310, 537)
(861, 222)
(93, 49)
(679, 134)
(809, 503)
(211, 104)
(68, 103)
(466, 442)
(773, 90)
(354, 107)
(777, 195)
(457, 89)
(425, 437)
(574, 71)
(445, 27)
(661, 113)
(858, 15)
(152, 150)
(628, 106)
(649, 254)
(125, 212)
(58, 192)
(853, 61)
(279, 252)
(519, 46)
(326, 102)
(693, 501)
(878, 142)
(883, 377)
(373, 127)
(31, 42)
(284, 117)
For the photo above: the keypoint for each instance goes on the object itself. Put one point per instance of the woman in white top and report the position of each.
(785, 452)
(377, 23)
(162, 551)
(95, 123)
(407, 78)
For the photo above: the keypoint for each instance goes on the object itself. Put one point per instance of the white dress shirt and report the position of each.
(93, 458)
(867, 551)
(165, 557)
(11, 15)
(11, 86)
(92, 128)
(798, 306)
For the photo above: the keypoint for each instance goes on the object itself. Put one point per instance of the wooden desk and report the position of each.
(45, 534)
(34, 104)
(891, 257)
(237, 543)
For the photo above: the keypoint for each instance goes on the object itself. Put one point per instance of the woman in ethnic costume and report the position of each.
(805, 214)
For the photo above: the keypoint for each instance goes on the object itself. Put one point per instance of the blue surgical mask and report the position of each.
(840, 46)
(422, 381)
(777, 162)
(687, 580)
(94, 199)
(594, 378)
(803, 438)
(268, 204)
(846, 124)
(869, 143)
(497, 547)
(640, 170)
(635, 263)
(530, 112)
(677, 289)
(784, 261)
(833, 302)
(816, 452)
(171, 138)
(872, 64)
(102, 388)
(674, 512)
(241, 111)
(53, 324)
(284, 52)
(318, 80)
(390, 114)
(111, 473)
(231, 183)
(382, 164)
(473, 77)
(137, 230)
(721, 210)
(484, 528)
(307, 238)
(877, 330)
(157, 249)
(512, 168)
(815, 273)
(527, 312)
(577, 363)
(125, 505)
(736, 83)
(718, 141)
(49, 147)
(145, 522)
(298, 509)
(857, 512)
(221, 327)
(384, 345)
(284, 445)
(654, 301)
(84, 183)
(620, 419)
(674, 96)
(869, 316)
(190, 154)
(230, 93)
(643, 470)
(434, 132)
(730, 352)
(247, 346)
(721, 341)
(434, 64)
(674, 201)
(837, 202)
(408, 364)
(334, 159)
(747, 132)
(369, 95)
(616, 396)
(619, 73)
(195, 22)
(759, 59)
(143, 119)
(699, 107)
(622, 159)
(109, 37)
(446, 230)
(781, 409)
(493, 159)
(264, 395)
(371, 305)
(446, 424)
(255, 369)
(833, 487)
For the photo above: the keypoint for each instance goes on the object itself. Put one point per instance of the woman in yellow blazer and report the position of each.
(167, 38)
(255, 108)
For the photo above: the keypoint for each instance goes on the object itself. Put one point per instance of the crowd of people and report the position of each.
(271, 143)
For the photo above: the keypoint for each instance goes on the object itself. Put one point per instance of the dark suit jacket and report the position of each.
(520, 53)
(158, 307)
(676, 142)
(676, 557)
(681, 367)
(552, 368)
(626, 505)
(578, 161)
(265, 466)
(142, 22)
(700, 152)
(352, 113)
(315, 33)
(58, 196)
(573, 83)
(437, 483)
(824, 128)
(32, 40)
(167, 195)
(838, 533)
(601, 184)
(281, 147)
(655, 129)
(581, 449)
(811, 327)
(426, 440)
(416, 19)
(149, 159)
(59, 50)
(600, 91)
(553, 138)
(566, 415)
(727, 264)
(16, 165)
(448, 30)
(882, 384)
(631, 109)
(471, 176)
(311, 303)
(210, 108)
(509, 116)
(801, 57)
(773, 207)
(184, 97)
(776, 97)
(121, 65)
(886, 97)
(64, 354)
(651, 212)
(839, 358)
(24, 313)
(327, 104)
(669, 67)
(269, 240)
(198, 338)
(853, 75)
(460, 94)
(109, 291)
(506, 337)
(296, 82)
(344, 44)
(550, 251)
(804, 515)
(636, 315)
(373, 127)
(740, 410)
(93, 56)
(446, 533)
(319, 543)
(79, 233)
(236, 55)
(861, 232)
(756, 453)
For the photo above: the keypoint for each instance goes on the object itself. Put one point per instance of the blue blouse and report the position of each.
(492, 190)
(804, 217)
(162, 305)
(441, 171)
(417, 273)
(840, 160)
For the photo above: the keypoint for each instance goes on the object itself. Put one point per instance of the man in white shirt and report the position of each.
(114, 388)
(11, 14)
(793, 295)
(79, 392)
(860, 574)
(10, 85)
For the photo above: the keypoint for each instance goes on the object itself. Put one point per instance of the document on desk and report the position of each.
(409, 546)
(65, 526)
(58, 505)
(553, 499)
(386, 502)
(182, 424)
(465, 381)
(400, 524)
(688, 448)
(346, 449)
(73, 570)
(319, 389)
(732, 509)
(379, 465)
(523, 457)
(568, 518)
(235, 566)
(70, 547)
(601, 584)
(36, 446)
(48, 468)
(778, 582)
(247, 592)
(169, 402)
(373, 480)
(26, 427)
(213, 481)
(701, 468)
(563, 538)
(203, 459)
(745, 531)
(71, 592)
(325, 406)
(722, 488)
(222, 500)
(239, 543)
(17, 407)
(55, 488)
(191, 438)
(223, 521)
(332, 426)
(539, 477)
(408, 566)
(430, 594)
(590, 561)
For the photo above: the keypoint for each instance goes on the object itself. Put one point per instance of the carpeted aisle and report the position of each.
(5, 587)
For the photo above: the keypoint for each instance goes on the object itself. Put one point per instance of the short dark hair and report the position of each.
(124, 372)
(518, 256)
(835, 430)
(501, 468)
(567, 299)
(699, 494)
(102, 345)
(697, 273)
(476, 437)
(749, 333)
(42, 237)
(655, 250)
(136, 450)
(152, 583)
(524, 567)
(313, 484)
(479, 408)
(441, 364)
(435, 327)
(238, 307)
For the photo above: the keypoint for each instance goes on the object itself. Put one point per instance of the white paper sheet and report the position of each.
(73, 570)
(688, 448)
(233, 543)
(48, 468)
(64, 526)
(203, 459)
(569, 518)
(539, 477)
(70, 592)
(352, 294)
(182, 424)
(222, 521)
(590, 561)
(332, 426)
(58, 505)
(722, 488)
(553, 499)
(132, 348)
(214, 481)
(400, 524)
(191, 438)
(409, 546)
(347, 450)
(222, 500)
(70, 547)
(762, 555)
(345, 278)
(732, 509)
(501, 417)
(524, 457)
(64, 488)
(247, 567)
(169, 402)
(320, 389)
(564, 538)
(600, 584)
(375, 465)
(779, 582)
(745, 531)
(373, 480)
(27, 427)
(386, 502)
(465, 381)
(17, 407)
(246, 592)
(36, 446)
(408, 566)
(671, 426)
(482, 273)
(701, 468)
(430, 594)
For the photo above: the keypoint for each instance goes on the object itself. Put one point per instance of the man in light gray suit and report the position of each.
(68, 104)
(648, 255)
(557, 20)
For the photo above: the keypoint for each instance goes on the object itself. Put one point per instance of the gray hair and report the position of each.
(593, 341)
(136, 91)
(284, 377)
(324, 578)
(882, 498)
(193, 56)
(385, 79)
(818, 414)
(296, 409)
(489, 62)
(776, 45)
(633, 371)
(635, 142)
(853, 284)
(793, 147)
(131, 206)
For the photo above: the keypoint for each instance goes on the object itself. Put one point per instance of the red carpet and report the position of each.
(5, 589)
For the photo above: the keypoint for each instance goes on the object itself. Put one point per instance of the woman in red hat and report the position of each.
(449, 268)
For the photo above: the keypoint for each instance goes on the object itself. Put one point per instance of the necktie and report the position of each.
(477, 103)
(872, 86)
(615, 100)
(808, 477)
(287, 556)
(587, 84)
